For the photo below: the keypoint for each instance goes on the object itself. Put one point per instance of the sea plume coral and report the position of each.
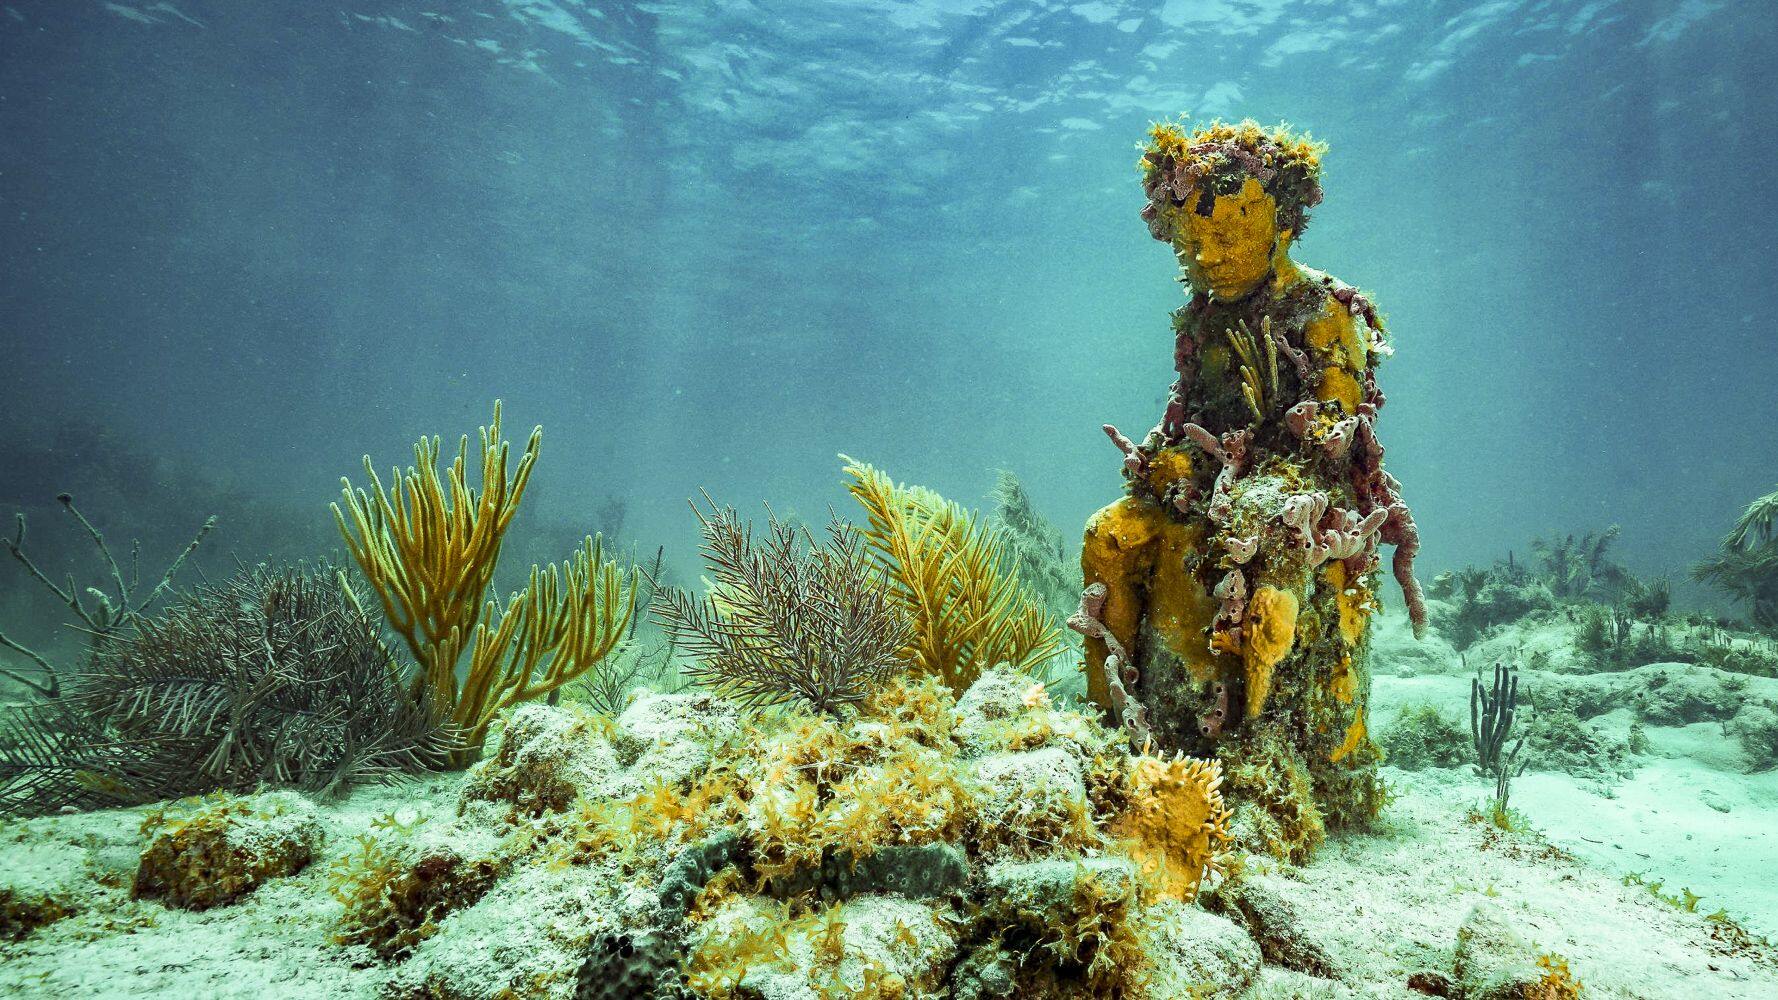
(274, 676)
(786, 619)
(1746, 568)
(1034, 545)
(948, 574)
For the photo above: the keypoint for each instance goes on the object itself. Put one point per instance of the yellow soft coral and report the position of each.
(1175, 821)
(428, 546)
(1271, 632)
(1557, 982)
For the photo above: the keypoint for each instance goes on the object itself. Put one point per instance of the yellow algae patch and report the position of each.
(1168, 466)
(1175, 822)
(1271, 632)
(1354, 736)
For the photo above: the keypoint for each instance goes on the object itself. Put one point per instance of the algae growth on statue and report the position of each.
(1228, 594)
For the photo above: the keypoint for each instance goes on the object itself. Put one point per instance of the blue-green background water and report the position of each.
(713, 245)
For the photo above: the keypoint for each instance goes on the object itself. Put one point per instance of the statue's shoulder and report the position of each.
(1190, 316)
(1339, 327)
(1323, 293)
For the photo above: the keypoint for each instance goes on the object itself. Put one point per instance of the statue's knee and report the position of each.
(1116, 540)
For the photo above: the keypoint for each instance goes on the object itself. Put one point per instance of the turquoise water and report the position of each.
(714, 246)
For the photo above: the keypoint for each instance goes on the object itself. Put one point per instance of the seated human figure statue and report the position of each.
(1229, 592)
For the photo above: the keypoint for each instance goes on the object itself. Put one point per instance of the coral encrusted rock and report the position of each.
(918, 844)
(1256, 903)
(210, 852)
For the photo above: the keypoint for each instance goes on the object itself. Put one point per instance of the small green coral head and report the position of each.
(1217, 160)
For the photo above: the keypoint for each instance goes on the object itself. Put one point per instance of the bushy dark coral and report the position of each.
(1577, 567)
(1423, 737)
(786, 619)
(111, 606)
(1035, 546)
(1746, 568)
(272, 677)
(1475, 599)
(1557, 740)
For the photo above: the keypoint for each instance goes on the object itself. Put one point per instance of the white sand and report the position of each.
(1667, 822)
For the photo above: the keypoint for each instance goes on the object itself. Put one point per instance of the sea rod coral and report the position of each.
(429, 546)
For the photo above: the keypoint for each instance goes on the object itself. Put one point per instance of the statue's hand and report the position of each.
(1172, 425)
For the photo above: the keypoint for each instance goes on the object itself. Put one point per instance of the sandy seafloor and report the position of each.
(1383, 904)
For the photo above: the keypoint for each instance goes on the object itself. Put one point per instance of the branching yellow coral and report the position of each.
(947, 572)
(429, 545)
(1175, 821)
(1259, 383)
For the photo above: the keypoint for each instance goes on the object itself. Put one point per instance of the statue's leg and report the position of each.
(1118, 551)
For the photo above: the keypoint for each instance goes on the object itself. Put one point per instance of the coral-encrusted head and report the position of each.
(1218, 160)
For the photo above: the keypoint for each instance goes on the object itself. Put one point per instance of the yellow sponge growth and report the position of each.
(1355, 734)
(1271, 632)
(1166, 467)
(1175, 821)
(1353, 599)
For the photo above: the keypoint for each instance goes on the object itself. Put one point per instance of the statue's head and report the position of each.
(1230, 199)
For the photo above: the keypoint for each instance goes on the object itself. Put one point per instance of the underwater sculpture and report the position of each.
(1228, 594)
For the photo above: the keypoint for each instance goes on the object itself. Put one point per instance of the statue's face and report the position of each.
(1230, 251)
